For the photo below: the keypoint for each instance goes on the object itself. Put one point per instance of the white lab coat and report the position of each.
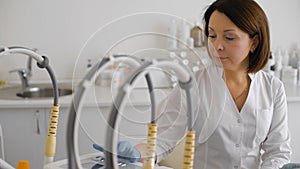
(256, 137)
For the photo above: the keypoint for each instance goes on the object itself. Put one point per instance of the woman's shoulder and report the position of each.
(262, 75)
(267, 80)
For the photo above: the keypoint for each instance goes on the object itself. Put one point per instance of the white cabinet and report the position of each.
(24, 135)
(25, 130)
(294, 120)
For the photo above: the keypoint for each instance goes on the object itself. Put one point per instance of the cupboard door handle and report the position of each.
(37, 116)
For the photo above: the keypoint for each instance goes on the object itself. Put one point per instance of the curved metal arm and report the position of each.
(22, 50)
(88, 80)
(185, 80)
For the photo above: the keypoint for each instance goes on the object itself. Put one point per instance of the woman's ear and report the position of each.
(254, 43)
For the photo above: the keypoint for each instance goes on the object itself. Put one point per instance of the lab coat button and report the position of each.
(235, 167)
(237, 145)
(239, 120)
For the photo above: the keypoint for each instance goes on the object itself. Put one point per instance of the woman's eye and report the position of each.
(212, 36)
(229, 37)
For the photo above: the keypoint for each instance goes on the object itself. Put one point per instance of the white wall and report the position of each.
(60, 29)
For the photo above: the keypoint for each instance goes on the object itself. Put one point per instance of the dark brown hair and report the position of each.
(248, 16)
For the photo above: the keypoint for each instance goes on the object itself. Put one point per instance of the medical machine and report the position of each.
(42, 62)
(89, 79)
(142, 68)
(185, 82)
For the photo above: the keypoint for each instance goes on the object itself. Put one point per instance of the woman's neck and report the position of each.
(238, 84)
(236, 77)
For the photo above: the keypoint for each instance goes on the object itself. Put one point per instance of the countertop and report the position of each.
(103, 96)
(94, 96)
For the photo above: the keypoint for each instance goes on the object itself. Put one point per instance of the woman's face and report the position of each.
(231, 43)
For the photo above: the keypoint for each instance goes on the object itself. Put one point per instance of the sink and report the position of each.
(35, 91)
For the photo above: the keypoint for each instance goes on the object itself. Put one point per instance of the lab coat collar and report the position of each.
(251, 75)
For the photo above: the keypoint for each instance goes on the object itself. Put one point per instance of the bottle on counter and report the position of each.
(278, 63)
(89, 65)
(23, 164)
(196, 34)
(183, 35)
(298, 65)
(285, 58)
(270, 65)
(293, 60)
(172, 33)
(190, 43)
(289, 75)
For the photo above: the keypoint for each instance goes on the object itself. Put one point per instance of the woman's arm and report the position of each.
(277, 145)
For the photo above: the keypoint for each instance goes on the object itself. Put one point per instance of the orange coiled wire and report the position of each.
(50, 146)
(189, 148)
(149, 161)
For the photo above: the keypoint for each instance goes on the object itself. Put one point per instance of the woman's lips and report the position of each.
(223, 58)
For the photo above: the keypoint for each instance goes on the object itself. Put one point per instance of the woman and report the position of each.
(241, 114)
(239, 32)
(251, 130)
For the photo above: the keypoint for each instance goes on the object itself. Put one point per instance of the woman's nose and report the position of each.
(218, 44)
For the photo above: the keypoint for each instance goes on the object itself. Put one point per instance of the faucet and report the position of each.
(24, 73)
